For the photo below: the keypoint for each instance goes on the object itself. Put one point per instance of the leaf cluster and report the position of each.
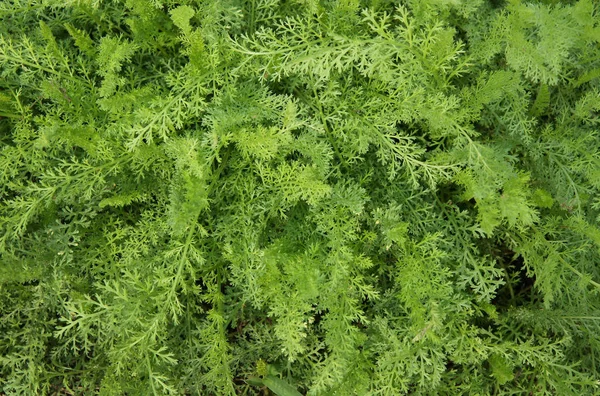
(324, 197)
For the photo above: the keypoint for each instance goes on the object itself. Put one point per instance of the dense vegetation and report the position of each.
(325, 197)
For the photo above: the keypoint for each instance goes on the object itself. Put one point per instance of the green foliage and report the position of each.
(321, 197)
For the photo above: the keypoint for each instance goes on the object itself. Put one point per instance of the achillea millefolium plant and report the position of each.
(321, 197)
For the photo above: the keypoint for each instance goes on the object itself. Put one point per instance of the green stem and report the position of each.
(47, 70)
(9, 115)
(328, 132)
(508, 283)
(577, 272)
(568, 265)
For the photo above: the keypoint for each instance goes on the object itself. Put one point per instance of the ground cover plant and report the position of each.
(335, 197)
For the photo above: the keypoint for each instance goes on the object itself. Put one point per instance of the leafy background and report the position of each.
(329, 197)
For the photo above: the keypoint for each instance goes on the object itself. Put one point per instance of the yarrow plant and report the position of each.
(320, 197)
